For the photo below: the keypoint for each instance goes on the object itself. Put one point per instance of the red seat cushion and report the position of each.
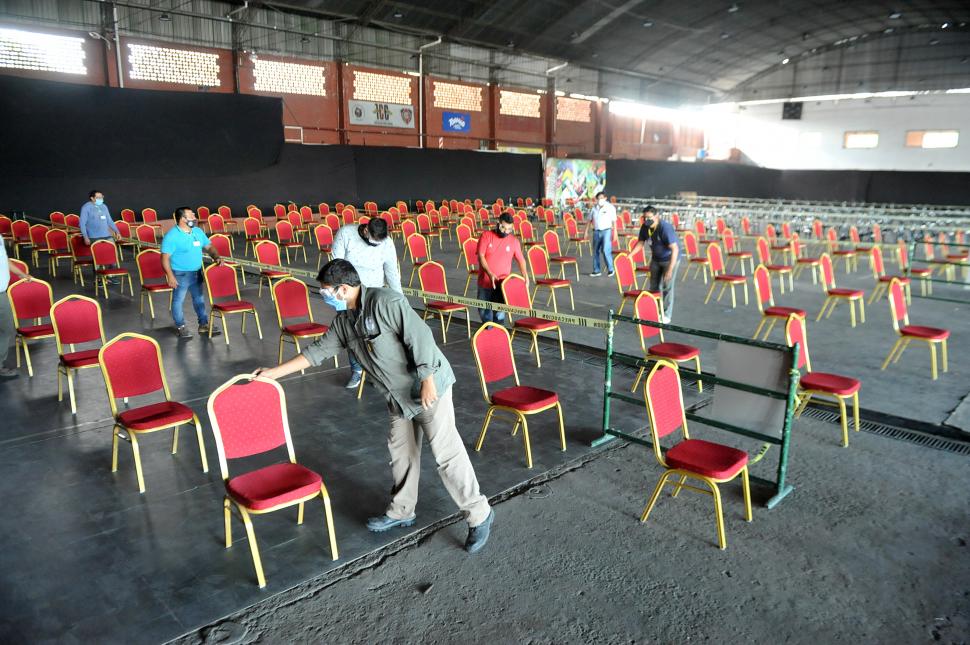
(291, 245)
(112, 272)
(272, 273)
(930, 333)
(234, 305)
(633, 293)
(536, 324)
(706, 458)
(739, 254)
(553, 282)
(441, 305)
(846, 293)
(784, 312)
(36, 331)
(863, 249)
(808, 261)
(959, 257)
(563, 258)
(156, 287)
(831, 383)
(778, 267)
(305, 329)
(921, 271)
(85, 260)
(156, 415)
(524, 398)
(844, 252)
(780, 247)
(675, 351)
(890, 278)
(734, 279)
(273, 485)
(84, 358)
(699, 260)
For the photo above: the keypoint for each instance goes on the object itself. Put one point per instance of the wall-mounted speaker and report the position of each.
(791, 111)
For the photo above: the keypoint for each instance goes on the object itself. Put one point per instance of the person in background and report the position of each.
(398, 351)
(8, 326)
(96, 223)
(182, 249)
(373, 255)
(602, 218)
(664, 251)
(496, 249)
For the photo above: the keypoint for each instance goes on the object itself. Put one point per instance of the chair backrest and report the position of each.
(470, 250)
(254, 213)
(515, 292)
(818, 229)
(746, 225)
(248, 417)
(78, 248)
(203, 213)
(639, 257)
(128, 215)
(279, 210)
(149, 263)
(877, 233)
(104, 253)
(625, 272)
(251, 227)
(56, 218)
(771, 233)
(720, 225)
(786, 230)
(146, 233)
(550, 239)
(284, 231)
(418, 246)
(675, 220)
(664, 399)
(648, 306)
(462, 232)
(878, 267)
(216, 223)
(332, 221)
(492, 348)
(292, 298)
(927, 247)
(538, 262)
(526, 231)
(348, 214)
(338, 207)
(76, 319)
(762, 285)
(902, 254)
(323, 235)
(306, 214)
(295, 219)
(21, 230)
(424, 224)
(763, 250)
(796, 332)
(72, 221)
(30, 299)
(57, 239)
(220, 282)
(700, 228)
(828, 275)
(149, 215)
(832, 237)
(897, 303)
(132, 366)
(124, 228)
(38, 235)
(727, 236)
(715, 258)
(220, 242)
(6, 225)
(19, 264)
(267, 252)
(431, 275)
(854, 234)
(690, 244)
(408, 228)
(225, 212)
(323, 208)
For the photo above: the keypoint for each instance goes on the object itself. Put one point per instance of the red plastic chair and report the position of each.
(835, 294)
(107, 264)
(834, 386)
(126, 241)
(516, 294)
(323, 235)
(542, 277)
(932, 336)
(30, 301)
(781, 270)
(146, 234)
(38, 242)
(76, 321)
(716, 262)
(420, 253)
(700, 263)
(882, 280)
(72, 221)
(151, 277)
(493, 356)
(550, 239)
(649, 306)
(223, 290)
(431, 277)
(704, 461)
(58, 248)
(132, 367)
(770, 314)
(269, 254)
(293, 313)
(286, 238)
(80, 257)
(20, 230)
(626, 279)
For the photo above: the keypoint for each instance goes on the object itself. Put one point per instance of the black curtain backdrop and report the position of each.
(53, 129)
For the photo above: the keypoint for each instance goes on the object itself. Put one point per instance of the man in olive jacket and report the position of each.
(398, 352)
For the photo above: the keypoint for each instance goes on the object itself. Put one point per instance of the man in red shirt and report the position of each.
(495, 252)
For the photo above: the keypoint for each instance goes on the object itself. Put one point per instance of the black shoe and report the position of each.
(7, 373)
(478, 535)
(204, 330)
(183, 332)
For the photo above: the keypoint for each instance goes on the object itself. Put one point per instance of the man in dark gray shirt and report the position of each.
(397, 349)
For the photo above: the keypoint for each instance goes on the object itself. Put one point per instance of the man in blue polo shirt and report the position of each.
(664, 250)
(182, 249)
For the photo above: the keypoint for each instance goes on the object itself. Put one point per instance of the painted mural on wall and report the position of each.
(574, 178)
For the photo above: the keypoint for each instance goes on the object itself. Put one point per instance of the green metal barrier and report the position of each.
(940, 264)
(779, 483)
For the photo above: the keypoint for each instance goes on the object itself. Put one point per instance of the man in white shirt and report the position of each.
(8, 325)
(602, 218)
(371, 251)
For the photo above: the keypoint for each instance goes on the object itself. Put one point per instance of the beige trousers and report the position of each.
(454, 467)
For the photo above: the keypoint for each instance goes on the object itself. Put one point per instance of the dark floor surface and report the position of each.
(86, 557)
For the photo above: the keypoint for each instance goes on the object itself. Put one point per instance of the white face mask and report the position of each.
(602, 202)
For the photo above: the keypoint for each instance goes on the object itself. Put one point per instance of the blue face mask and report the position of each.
(331, 300)
(99, 201)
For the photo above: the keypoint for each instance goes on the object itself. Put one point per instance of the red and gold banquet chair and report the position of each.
(932, 336)
(649, 306)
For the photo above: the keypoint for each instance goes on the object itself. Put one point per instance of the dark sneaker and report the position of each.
(8, 373)
(611, 274)
(478, 535)
(595, 274)
(385, 523)
(183, 332)
(354, 380)
(204, 330)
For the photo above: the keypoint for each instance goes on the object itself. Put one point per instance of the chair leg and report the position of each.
(637, 381)
(709, 292)
(892, 351)
(654, 496)
(259, 329)
(760, 327)
(562, 428)
(136, 453)
(175, 440)
(902, 349)
(933, 359)
(718, 513)
(328, 511)
(771, 325)
(679, 486)
(535, 345)
(114, 449)
(562, 352)
(942, 351)
(70, 390)
(253, 548)
(862, 310)
(844, 421)
(227, 520)
(198, 434)
(481, 436)
(525, 441)
(855, 410)
(697, 365)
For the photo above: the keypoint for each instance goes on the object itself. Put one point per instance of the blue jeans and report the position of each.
(188, 281)
(355, 365)
(490, 315)
(603, 243)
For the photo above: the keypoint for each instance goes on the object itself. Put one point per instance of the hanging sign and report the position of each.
(456, 121)
(391, 115)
